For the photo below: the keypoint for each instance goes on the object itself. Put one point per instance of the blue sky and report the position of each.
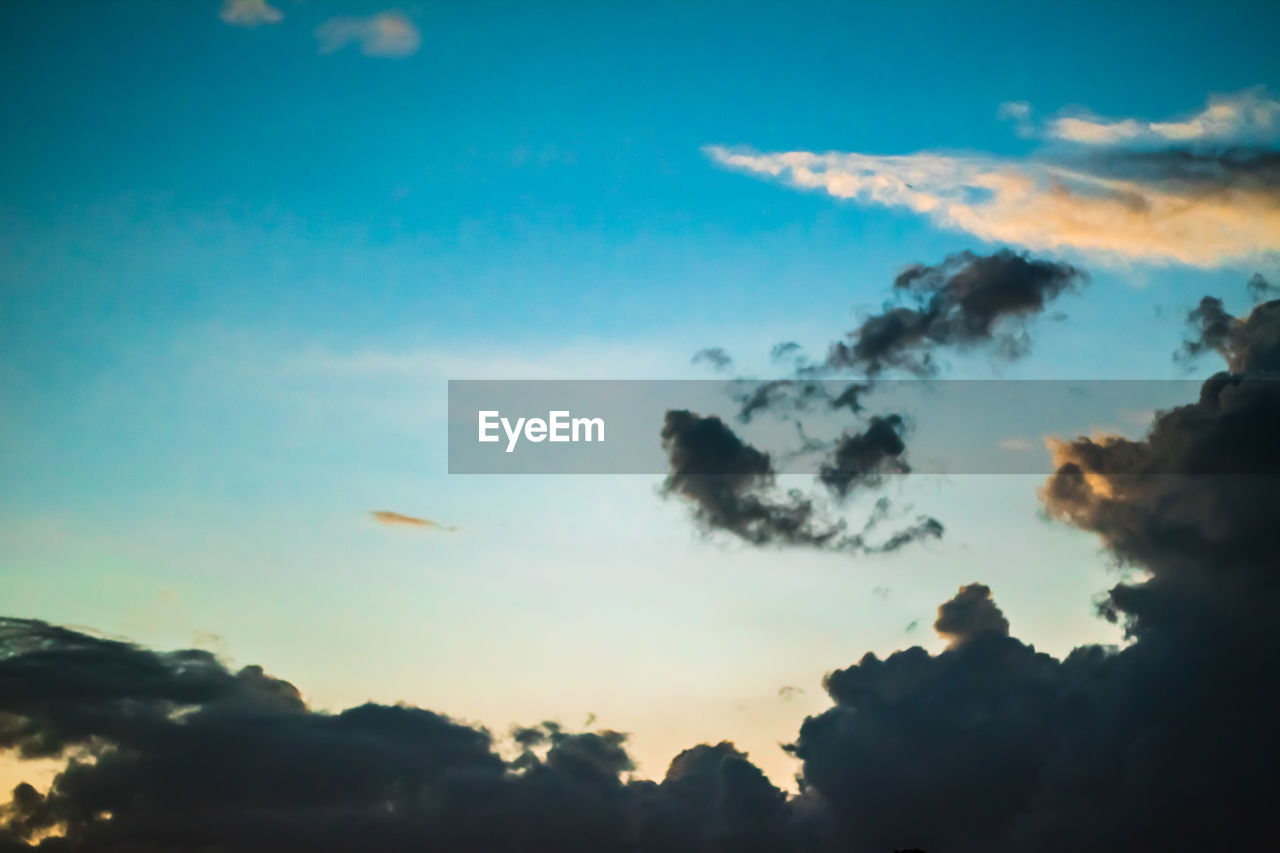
(237, 265)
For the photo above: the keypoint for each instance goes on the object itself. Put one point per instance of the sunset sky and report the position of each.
(245, 245)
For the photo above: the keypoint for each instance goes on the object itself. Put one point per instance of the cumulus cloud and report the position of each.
(1201, 210)
(395, 519)
(386, 34)
(173, 752)
(971, 613)
(1250, 116)
(249, 13)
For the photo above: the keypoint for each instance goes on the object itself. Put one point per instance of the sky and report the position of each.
(245, 245)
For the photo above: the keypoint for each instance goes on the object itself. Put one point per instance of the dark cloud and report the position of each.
(1165, 744)
(1195, 172)
(965, 301)
(865, 458)
(782, 351)
(1251, 345)
(796, 397)
(1261, 289)
(970, 614)
(171, 752)
(714, 356)
(731, 486)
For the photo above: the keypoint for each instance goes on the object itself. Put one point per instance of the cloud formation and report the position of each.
(1244, 117)
(731, 487)
(387, 34)
(1250, 345)
(249, 13)
(1200, 210)
(965, 301)
(971, 613)
(172, 752)
(988, 746)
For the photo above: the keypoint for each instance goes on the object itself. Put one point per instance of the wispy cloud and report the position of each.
(1171, 206)
(1240, 117)
(249, 13)
(395, 519)
(386, 34)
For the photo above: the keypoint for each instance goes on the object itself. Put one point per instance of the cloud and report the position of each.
(249, 13)
(386, 34)
(1249, 345)
(1241, 117)
(962, 302)
(171, 751)
(865, 458)
(971, 613)
(714, 356)
(1018, 112)
(387, 517)
(730, 486)
(1260, 289)
(988, 746)
(1197, 209)
(966, 301)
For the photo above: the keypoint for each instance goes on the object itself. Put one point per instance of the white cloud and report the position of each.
(386, 34)
(1240, 117)
(1018, 112)
(1042, 206)
(249, 13)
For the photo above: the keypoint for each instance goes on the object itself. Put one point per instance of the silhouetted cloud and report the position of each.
(731, 487)
(174, 752)
(971, 613)
(865, 458)
(714, 356)
(965, 301)
(1259, 288)
(730, 484)
(1251, 345)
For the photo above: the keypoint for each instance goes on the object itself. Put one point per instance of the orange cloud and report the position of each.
(396, 519)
